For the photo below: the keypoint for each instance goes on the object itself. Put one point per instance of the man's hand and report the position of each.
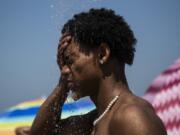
(48, 116)
(63, 43)
(22, 131)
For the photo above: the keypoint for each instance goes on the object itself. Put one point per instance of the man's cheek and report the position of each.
(77, 69)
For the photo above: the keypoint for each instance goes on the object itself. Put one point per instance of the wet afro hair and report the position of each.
(103, 26)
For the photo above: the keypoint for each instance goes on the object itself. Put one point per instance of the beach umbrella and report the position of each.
(164, 95)
(24, 113)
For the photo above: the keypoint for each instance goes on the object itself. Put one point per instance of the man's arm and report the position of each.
(48, 118)
(135, 120)
(77, 125)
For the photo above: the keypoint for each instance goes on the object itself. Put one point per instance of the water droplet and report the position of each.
(52, 6)
(56, 125)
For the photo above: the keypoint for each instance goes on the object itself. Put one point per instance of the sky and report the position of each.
(30, 30)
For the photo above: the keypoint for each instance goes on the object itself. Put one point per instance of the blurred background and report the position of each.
(30, 30)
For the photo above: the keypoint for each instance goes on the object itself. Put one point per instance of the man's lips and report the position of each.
(71, 85)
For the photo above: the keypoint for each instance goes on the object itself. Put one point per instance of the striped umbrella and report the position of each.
(164, 95)
(24, 113)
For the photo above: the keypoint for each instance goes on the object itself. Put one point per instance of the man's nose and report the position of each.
(65, 70)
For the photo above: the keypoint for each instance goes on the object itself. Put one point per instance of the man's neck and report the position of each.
(109, 88)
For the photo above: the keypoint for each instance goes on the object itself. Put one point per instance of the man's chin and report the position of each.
(77, 95)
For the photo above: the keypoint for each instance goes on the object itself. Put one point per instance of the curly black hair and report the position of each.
(103, 26)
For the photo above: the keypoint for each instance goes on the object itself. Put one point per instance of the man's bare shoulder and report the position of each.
(136, 116)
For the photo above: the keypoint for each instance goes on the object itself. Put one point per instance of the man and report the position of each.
(92, 53)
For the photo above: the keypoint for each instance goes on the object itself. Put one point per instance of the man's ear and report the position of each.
(104, 53)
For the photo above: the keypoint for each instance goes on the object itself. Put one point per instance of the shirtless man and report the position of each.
(92, 53)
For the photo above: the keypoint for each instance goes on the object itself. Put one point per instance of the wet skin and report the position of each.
(130, 114)
(96, 74)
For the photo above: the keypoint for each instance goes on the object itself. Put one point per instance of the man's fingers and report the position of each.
(64, 42)
(63, 45)
(65, 35)
(65, 39)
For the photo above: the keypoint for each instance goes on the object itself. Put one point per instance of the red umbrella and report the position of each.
(164, 95)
